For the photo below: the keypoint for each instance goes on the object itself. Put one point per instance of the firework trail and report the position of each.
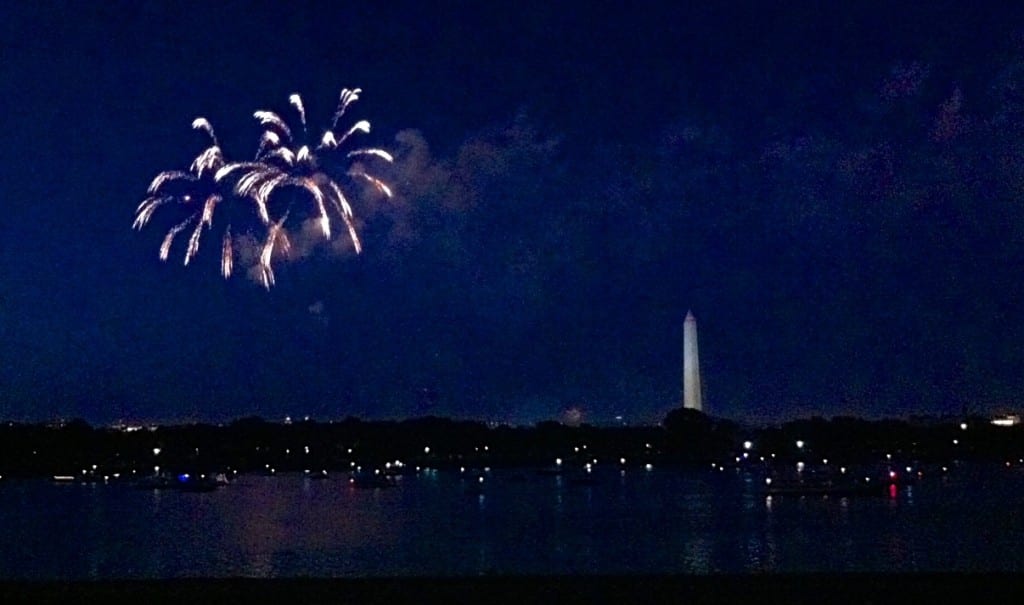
(285, 160)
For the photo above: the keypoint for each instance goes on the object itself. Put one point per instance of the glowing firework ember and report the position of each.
(284, 179)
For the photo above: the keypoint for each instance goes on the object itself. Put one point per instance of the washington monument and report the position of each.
(691, 365)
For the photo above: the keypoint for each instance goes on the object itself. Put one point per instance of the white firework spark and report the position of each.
(346, 98)
(380, 153)
(269, 118)
(165, 247)
(202, 123)
(226, 254)
(330, 142)
(275, 235)
(296, 102)
(383, 188)
(164, 177)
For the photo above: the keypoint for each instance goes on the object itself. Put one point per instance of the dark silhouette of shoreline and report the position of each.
(685, 438)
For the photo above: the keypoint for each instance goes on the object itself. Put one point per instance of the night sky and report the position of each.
(837, 193)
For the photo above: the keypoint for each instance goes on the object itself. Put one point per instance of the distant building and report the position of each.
(692, 398)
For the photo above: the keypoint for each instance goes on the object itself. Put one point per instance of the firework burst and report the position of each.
(285, 160)
(194, 195)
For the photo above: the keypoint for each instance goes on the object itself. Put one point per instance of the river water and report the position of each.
(434, 524)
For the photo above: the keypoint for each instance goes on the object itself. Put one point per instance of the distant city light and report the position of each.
(799, 467)
(1006, 420)
(963, 426)
(622, 460)
(956, 442)
(747, 445)
(558, 462)
(649, 467)
(426, 450)
(768, 481)
(800, 444)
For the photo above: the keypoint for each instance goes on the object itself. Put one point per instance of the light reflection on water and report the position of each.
(441, 524)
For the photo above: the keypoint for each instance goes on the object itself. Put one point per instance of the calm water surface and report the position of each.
(636, 522)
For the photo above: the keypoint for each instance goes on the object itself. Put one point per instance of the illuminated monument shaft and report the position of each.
(691, 366)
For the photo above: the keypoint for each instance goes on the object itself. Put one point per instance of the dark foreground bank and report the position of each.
(749, 590)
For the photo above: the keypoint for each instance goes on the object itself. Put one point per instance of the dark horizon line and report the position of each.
(490, 423)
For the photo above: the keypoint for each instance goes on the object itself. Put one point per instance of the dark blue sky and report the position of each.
(835, 191)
